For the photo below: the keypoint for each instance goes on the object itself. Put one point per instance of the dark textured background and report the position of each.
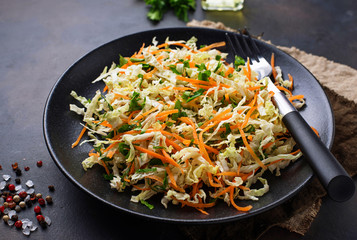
(40, 39)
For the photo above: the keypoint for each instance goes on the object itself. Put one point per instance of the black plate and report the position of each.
(61, 128)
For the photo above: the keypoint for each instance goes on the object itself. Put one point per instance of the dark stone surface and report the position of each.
(40, 39)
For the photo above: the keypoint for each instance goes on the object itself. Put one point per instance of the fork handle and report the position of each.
(338, 184)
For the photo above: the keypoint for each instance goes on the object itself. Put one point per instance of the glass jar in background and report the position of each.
(222, 5)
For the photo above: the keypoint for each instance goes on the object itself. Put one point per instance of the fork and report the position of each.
(337, 183)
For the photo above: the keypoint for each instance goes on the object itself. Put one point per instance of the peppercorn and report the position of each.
(26, 168)
(51, 188)
(2, 208)
(14, 217)
(12, 205)
(11, 187)
(0, 167)
(37, 209)
(40, 218)
(15, 166)
(18, 224)
(33, 197)
(16, 198)
(23, 194)
(9, 199)
(17, 180)
(39, 163)
(49, 199)
(22, 204)
(6, 204)
(17, 208)
(41, 201)
(28, 202)
(38, 195)
(5, 218)
(18, 172)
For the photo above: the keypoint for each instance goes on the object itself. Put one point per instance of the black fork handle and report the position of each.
(338, 184)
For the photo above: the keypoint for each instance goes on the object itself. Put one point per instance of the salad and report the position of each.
(176, 119)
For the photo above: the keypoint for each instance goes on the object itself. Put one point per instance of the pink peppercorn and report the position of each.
(37, 209)
(2, 208)
(40, 218)
(18, 224)
(23, 194)
(41, 201)
(27, 168)
(9, 199)
(39, 163)
(11, 187)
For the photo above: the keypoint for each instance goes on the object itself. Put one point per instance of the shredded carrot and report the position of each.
(257, 160)
(213, 184)
(121, 96)
(217, 117)
(80, 136)
(173, 43)
(196, 81)
(243, 209)
(105, 88)
(168, 159)
(149, 74)
(137, 118)
(156, 178)
(151, 153)
(182, 88)
(296, 97)
(213, 45)
(167, 112)
(161, 50)
(272, 63)
(249, 71)
(315, 131)
(291, 79)
(105, 167)
(229, 71)
(172, 179)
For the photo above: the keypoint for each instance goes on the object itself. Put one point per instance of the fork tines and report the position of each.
(243, 45)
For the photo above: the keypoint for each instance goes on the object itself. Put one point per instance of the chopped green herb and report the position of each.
(122, 61)
(196, 94)
(146, 204)
(126, 127)
(134, 104)
(146, 170)
(174, 70)
(238, 61)
(108, 177)
(124, 149)
(204, 75)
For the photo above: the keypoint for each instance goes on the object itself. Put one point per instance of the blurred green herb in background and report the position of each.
(180, 7)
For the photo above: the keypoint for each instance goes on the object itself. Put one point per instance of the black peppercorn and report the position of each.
(17, 180)
(18, 172)
(14, 218)
(51, 188)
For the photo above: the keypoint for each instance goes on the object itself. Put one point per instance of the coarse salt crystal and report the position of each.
(2, 185)
(6, 177)
(48, 220)
(29, 184)
(26, 231)
(10, 222)
(33, 228)
(18, 187)
(11, 213)
(30, 191)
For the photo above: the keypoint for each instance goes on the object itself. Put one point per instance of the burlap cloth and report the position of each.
(298, 213)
